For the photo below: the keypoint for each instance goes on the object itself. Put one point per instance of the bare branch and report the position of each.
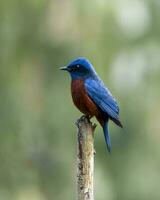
(85, 165)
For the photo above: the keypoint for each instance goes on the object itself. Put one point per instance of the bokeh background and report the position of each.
(37, 132)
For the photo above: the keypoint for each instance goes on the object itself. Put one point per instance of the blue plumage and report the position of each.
(102, 97)
(106, 135)
(106, 105)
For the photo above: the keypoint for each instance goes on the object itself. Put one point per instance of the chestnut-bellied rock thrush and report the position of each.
(91, 96)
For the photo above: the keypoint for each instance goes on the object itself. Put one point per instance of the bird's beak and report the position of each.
(64, 68)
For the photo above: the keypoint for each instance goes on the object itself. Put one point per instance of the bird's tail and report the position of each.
(106, 135)
(117, 121)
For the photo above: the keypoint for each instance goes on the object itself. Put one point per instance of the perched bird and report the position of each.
(90, 95)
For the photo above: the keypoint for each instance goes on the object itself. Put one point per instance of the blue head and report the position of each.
(80, 68)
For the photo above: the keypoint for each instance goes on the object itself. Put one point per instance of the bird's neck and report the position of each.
(77, 76)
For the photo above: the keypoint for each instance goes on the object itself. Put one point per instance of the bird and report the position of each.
(91, 96)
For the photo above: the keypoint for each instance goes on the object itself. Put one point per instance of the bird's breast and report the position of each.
(81, 99)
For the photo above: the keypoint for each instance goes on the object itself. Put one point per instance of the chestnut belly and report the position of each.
(81, 99)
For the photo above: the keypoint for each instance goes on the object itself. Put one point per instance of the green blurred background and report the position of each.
(37, 132)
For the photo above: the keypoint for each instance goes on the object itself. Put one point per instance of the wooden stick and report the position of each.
(85, 159)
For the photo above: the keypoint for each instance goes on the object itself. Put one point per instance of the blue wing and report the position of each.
(102, 98)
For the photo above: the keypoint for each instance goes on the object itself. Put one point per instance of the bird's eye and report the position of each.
(78, 66)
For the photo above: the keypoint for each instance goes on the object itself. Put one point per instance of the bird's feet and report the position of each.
(86, 118)
(89, 117)
(83, 117)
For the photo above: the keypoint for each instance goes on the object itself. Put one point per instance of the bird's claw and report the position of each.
(84, 117)
(94, 126)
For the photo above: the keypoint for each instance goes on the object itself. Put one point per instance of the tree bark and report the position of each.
(85, 159)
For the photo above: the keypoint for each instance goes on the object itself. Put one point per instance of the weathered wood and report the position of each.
(85, 159)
